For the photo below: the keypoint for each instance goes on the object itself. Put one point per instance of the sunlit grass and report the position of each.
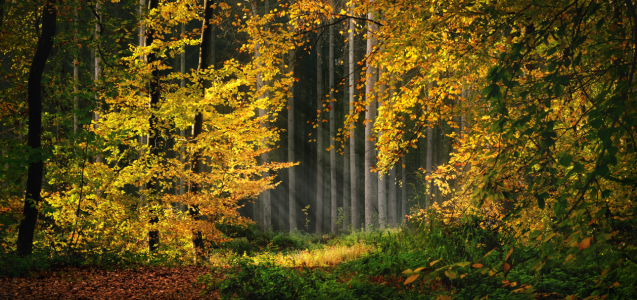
(325, 256)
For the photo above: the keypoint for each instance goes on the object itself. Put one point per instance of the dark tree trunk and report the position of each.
(154, 135)
(198, 126)
(35, 172)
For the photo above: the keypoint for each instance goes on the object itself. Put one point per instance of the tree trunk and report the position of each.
(393, 210)
(403, 192)
(291, 158)
(197, 129)
(332, 106)
(98, 70)
(352, 140)
(428, 165)
(382, 180)
(76, 77)
(370, 151)
(154, 140)
(264, 206)
(319, 140)
(182, 132)
(35, 172)
(346, 159)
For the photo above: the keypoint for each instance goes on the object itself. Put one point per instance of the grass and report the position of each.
(373, 265)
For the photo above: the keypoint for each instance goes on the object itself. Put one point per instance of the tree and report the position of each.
(320, 181)
(34, 181)
(370, 151)
(291, 141)
(154, 136)
(352, 137)
(332, 108)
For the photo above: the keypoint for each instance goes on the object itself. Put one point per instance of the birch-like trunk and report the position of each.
(352, 141)
(428, 165)
(382, 180)
(346, 158)
(370, 151)
(403, 192)
(319, 140)
(391, 201)
(332, 106)
(291, 158)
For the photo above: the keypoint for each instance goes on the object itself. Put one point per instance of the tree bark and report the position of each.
(428, 165)
(382, 180)
(35, 172)
(393, 210)
(370, 151)
(291, 158)
(154, 141)
(319, 140)
(182, 132)
(346, 158)
(332, 106)
(403, 192)
(352, 141)
(197, 129)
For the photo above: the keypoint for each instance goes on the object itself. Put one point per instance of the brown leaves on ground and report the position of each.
(93, 283)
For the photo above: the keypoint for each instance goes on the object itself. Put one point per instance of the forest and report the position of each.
(306, 149)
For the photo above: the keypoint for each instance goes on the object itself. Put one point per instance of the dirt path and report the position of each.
(92, 283)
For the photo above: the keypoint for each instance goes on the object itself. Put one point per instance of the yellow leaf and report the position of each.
(408, 271)
(411, 279)
(434, 262)
(463, 264)
(488, 253)
(419, 269)
(451, 274)
(509, 254)
(477, 266)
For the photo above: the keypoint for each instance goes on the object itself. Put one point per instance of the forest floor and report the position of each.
(95, 283)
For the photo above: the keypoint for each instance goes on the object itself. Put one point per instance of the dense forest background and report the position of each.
(157, 128)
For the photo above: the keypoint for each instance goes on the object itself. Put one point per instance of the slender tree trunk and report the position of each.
(264, 206)
(154, 139)
(393, 210)
(197, 129)
(352, 141)
(382, 180)
(333, 190)
(370, 151)
(35, 172)
(346, 156)
(319, 140)
(391, 201)
(182, 132)
(142, 137)
(98, 70)
(403, 191)
(76, 77)
(428, 164)
(291, 158)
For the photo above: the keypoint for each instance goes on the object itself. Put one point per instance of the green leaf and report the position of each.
(566, 160)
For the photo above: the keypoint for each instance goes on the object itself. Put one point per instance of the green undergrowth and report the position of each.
(459, 261)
